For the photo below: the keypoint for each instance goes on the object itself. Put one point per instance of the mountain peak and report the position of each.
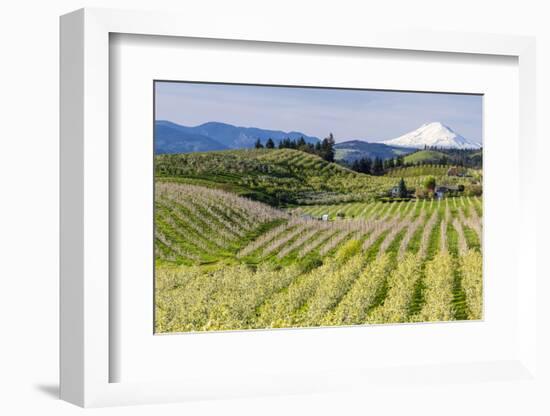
(434, 134)
(436, 125)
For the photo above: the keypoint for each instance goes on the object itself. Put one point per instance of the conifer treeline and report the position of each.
(472, 158)
(323, 149)
(376, 166)
(452, 157)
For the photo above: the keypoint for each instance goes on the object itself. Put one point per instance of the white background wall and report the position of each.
(29, 187)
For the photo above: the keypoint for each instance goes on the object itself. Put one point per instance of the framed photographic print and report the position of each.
(286, 227)
(281, 213)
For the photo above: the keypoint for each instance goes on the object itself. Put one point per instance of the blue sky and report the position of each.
(348, 114)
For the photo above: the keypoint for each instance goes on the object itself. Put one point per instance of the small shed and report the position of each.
(324, 217)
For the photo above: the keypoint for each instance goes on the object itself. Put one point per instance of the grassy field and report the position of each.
(226, 259)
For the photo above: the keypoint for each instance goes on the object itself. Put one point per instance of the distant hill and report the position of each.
(425, 156)
(174, 138)
(357, 149)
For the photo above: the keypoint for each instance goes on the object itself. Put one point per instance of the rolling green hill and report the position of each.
(420, 170)
(275, 176)
(425, 156)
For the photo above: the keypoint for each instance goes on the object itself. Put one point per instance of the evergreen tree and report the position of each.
(270, 144)
(291, 143)
(331, 151)
(378, 167)
(365, 165)
(327, 148)
(388, 164)
(402, 189)
(258, 144)
(318, 148)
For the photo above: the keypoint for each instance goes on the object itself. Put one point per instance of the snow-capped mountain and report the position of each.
(433, 135)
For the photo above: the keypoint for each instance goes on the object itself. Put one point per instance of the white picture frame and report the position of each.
(86, 265)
